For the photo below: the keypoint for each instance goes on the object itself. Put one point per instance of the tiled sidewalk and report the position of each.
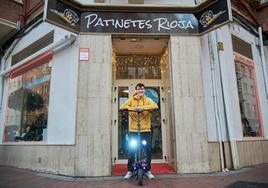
(253, 177)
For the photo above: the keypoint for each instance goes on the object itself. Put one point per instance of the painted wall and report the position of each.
(263, 100)
(225, 88)
(63, 89)
(91, 154)
(211, 80)
(224, 60)
(47, 157)
(63, 95)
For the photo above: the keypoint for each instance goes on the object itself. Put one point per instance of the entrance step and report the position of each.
(157, 168)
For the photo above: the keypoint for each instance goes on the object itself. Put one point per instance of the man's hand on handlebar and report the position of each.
(137, 109)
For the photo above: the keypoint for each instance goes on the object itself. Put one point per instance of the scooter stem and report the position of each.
(138, 124)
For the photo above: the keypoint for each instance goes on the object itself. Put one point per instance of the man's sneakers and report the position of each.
(149, 175)
(128, 175)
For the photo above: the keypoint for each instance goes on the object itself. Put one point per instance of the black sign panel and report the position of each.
(138, 23)
(63, 15)
(73, 19)
(213, 16)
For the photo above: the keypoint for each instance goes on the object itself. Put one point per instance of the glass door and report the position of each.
(156, 130)
(123, 123)
(122, 91)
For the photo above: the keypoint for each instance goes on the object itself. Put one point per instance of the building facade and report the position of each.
(65, 74)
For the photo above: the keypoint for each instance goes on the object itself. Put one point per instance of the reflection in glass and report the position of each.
(247, 99)
(154, 94)
(27, 108)
(122, 124)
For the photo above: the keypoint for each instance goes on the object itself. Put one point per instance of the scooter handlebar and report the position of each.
(138, 110)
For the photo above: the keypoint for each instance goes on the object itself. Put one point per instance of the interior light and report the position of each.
(126, 91)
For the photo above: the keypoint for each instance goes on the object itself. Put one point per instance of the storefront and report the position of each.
(64, 81)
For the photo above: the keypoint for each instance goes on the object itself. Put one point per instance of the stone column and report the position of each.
(93, 129)
(189, 110)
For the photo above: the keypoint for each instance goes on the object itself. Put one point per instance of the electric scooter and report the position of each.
(140, 165)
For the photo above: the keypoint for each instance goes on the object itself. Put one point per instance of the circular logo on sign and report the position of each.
(206, 18)
(71, 17)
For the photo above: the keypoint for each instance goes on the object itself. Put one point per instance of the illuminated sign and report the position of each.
(182, 23)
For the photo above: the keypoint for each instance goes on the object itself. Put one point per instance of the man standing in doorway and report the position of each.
(140, 102)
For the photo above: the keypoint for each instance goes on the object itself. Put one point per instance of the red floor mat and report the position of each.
(161, 168)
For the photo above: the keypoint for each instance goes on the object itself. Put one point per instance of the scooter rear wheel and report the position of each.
(140, 176)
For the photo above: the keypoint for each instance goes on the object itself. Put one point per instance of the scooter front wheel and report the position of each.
(140, 176)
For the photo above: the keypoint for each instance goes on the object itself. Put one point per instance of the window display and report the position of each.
(247, 91)
(28, 101)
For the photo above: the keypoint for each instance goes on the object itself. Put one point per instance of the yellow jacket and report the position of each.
(146, 104)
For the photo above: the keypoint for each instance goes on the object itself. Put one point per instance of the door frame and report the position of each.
(131, 83)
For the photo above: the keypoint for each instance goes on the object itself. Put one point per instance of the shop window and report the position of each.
(249, 104)
(28, 101)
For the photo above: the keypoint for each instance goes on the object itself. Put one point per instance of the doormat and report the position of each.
(159, 168)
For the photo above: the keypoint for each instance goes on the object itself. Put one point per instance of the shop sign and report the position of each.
(63, 15)
(138, 23)
(184, 23)
(213, 16)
